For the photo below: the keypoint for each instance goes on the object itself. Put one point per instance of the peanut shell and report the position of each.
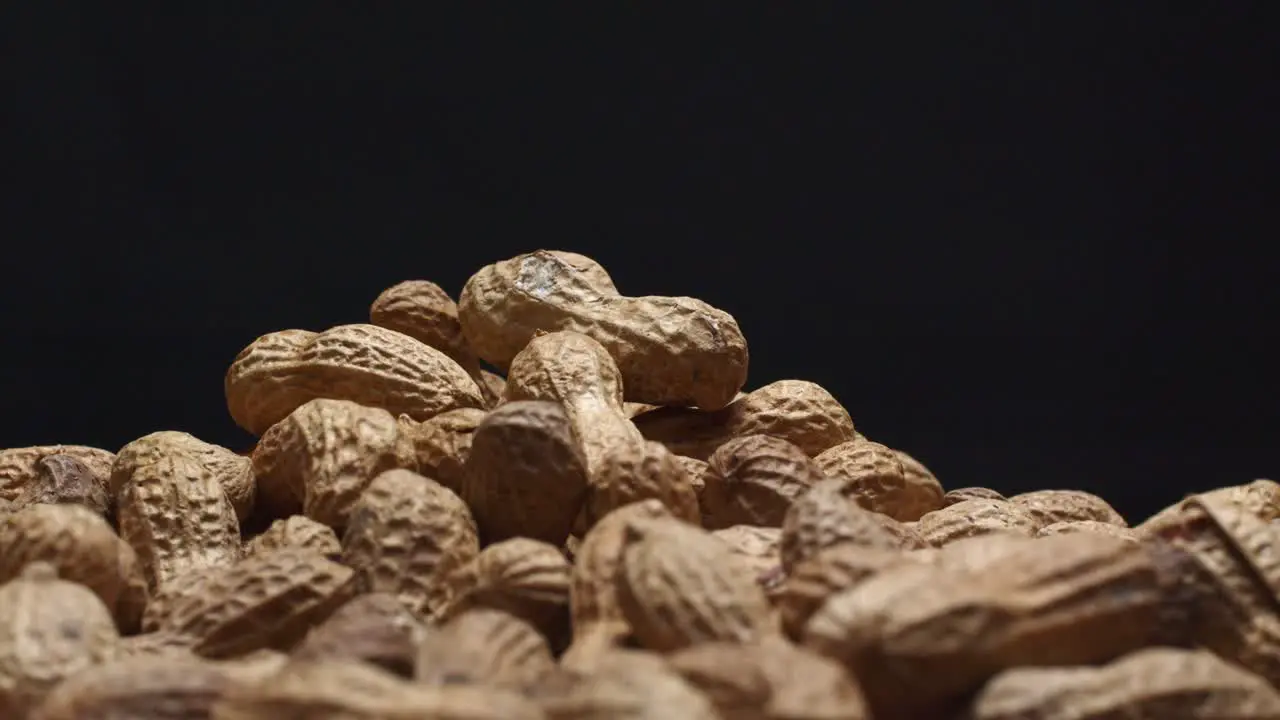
(753, 480)
(19, 467)
(879, 481)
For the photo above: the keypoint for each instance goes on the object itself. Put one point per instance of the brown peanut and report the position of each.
(20, 467)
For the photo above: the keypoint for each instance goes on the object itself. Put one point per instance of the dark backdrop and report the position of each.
(1027, 243)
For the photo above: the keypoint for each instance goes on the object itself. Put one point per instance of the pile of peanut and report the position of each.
(610, 528)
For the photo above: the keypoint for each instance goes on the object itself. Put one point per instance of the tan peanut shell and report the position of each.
(486, 647)
(373, 366)
(758, 548)
(832, 571)
(669, 350)
(526, 476)
(976, 517)
(232, 472)
(406, 535)
(879, 481)
(442, 444)
(269, 600)
(65, 479)
(1259, 497)
(320, 458)
(680, 586)
(19, 467)
(296, 531)
(83, 548)
(139, 688)
(374, 628)
(798, 411)
(172, 505)
(1092, 526)
(1055, 601)
(642, 471)
(970, 493)
(625, 685)
(1160, 682)
(771, 679)
(695, 470)
(753, 480)
(422, 310)
(50, 630)
(1053, 506)
(826, 516)
(521, 576)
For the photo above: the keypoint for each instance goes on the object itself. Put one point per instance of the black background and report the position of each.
(1028, 243)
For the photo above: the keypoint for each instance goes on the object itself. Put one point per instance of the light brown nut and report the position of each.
(597, 621)
(1053, 506)
(758, 549)
(422, 310)
(917, 473)
(695, 470)
(624, 685)
(829, 572)
(1090, 526)
(1164, 683)
(366, 364)
(143, 688)
(526, 578)
(269, 600)
(1260, 497)
(232, 471)
(1062, 600)
(442, 444)
(670, 350)
(65, 479)
(50, 629)
(879, 481)
(373, 628)
(19, 467)
(172, 505)
(406, 535)
(577, 372)
(82, 548)
(343, 690)
(826, 516)
(970, 493)
(798, 411)
(526, 475)
(771, 680)
(753, 480)
(680, 586)
(324, 454)
(296, 531)
(485, 647)
(968, 518)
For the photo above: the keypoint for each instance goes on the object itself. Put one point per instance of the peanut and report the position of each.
(523, 577)
(669, 351)
(374, 628)
(20, 467)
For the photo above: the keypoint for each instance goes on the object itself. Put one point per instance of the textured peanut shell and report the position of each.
(1159, 683)
(830, 572)
(373, 628)
(442, 444)
(753, 480)
(524, 577)
(826, 516)
(798, 411)
(67, 480)
(1089, 526)
(83, 548)
(320, 458)
(1061, 600)
(758, 548)
(232, 471)
(172, 506)
(485, 647)
(296, 531)
(695, 470)
(642, 471)
(771, 679)
(526, 476)
(139, 688)
(625, 685)
(20, 466)
(681, 586)
(269, 600)
(597, 620)
(406, 535)
(422, 310)
(670, 350)
(50, 629)
(340, 690)
(373, 366)
(1053, 506)
(879, 481)
(970, 493)
(1260, 497)
(976, 517)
